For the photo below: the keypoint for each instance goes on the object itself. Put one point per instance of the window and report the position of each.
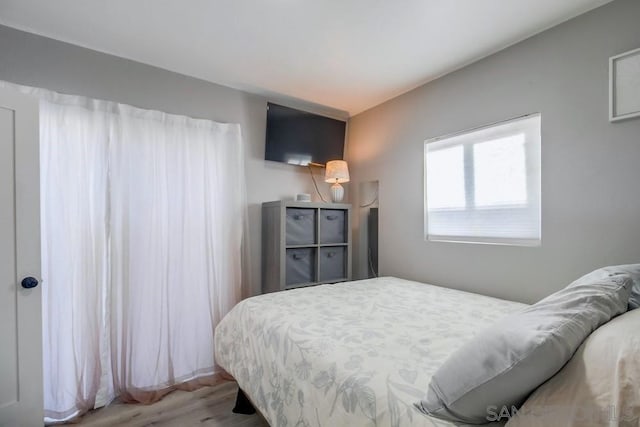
(483, 185)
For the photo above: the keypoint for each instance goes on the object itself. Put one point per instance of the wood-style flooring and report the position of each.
(207, 406)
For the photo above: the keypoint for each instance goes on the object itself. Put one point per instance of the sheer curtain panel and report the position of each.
(142, 225)
(176, 229)
(73, 181)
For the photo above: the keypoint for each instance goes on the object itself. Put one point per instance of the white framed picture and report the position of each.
(624, 86)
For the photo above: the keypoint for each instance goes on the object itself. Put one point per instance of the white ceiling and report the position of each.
(345, 54)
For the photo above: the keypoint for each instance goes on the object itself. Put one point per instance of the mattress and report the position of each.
(349, 354)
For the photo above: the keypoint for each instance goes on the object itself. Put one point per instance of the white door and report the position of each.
(20, 303)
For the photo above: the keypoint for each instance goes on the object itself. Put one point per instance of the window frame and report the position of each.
(533, 159)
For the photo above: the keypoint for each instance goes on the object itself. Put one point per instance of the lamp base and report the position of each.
(337, 193)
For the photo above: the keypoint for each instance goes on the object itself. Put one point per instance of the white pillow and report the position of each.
(633, 270)
(599, 386)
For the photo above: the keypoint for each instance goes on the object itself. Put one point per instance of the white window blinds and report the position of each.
(483, 185)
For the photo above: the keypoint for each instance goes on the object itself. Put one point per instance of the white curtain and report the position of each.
(73, 188)
(142, 225)
(176, 209)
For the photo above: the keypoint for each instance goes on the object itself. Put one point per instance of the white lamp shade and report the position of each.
(337, 172)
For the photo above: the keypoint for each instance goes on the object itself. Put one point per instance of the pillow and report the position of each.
(599, 385)
(500, 366)
(632, 270)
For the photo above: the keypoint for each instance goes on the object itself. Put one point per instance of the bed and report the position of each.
(350, 354)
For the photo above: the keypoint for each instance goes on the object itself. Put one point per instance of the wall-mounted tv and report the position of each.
(299, 138)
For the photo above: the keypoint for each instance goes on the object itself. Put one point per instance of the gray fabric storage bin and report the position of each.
(300, 266)
(333, 263)
(333, 226)
(301, 226)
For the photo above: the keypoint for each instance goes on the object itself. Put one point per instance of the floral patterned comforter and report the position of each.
(349, 354)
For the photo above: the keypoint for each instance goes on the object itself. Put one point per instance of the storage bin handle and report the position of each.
(331, 254)
(332, 217)
(299, 255)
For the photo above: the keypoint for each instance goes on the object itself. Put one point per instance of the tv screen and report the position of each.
(299, 138)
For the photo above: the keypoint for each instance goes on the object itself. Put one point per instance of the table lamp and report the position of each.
(337, 173)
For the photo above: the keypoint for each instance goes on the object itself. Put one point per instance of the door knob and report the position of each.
(29, 282)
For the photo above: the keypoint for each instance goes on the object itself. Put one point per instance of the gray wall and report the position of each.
(590, 167)
(32, 60)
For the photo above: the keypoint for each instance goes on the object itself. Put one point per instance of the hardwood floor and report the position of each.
(208, 406)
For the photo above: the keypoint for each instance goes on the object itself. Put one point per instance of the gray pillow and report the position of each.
(502, 365)
(633, 270)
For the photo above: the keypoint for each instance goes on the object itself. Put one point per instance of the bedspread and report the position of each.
(348, 354)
